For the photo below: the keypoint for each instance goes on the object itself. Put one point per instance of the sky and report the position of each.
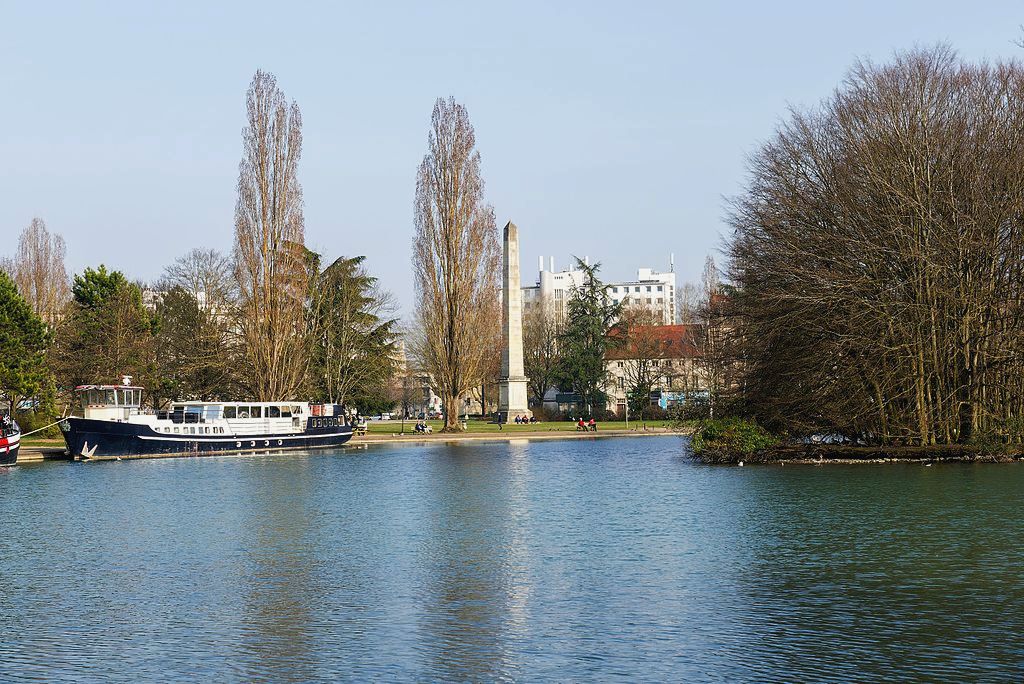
(616, 131)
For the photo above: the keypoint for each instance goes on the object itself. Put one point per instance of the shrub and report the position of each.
(696, 407)
(728, 440)
(30, 421)
(653, 412)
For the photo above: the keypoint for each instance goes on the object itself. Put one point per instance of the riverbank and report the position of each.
(51, 450)
(820, 454)
(510, 435)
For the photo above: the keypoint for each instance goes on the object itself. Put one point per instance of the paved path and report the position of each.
(505, 436)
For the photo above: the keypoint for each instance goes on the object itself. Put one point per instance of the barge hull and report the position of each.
(100, 439)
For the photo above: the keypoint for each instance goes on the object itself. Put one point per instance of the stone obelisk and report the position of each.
(512, 383)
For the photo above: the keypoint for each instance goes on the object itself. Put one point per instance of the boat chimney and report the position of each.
(552, 269)
(540, 264)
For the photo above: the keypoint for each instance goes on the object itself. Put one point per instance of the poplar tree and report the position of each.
(269, 253)
(456, 261)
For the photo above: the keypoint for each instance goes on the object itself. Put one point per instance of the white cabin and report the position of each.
(123, 404)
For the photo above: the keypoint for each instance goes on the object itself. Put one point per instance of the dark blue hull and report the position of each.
(9, 455)
(100, 439)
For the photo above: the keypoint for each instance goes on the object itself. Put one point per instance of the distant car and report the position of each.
(385, 416)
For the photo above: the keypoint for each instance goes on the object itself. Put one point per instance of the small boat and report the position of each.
(114, 425)
(10, 441)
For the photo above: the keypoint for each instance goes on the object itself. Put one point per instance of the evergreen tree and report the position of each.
(23, 343)
(590, 316)
(106, 334)
(354, 343)
(96, 286)
(191, 354)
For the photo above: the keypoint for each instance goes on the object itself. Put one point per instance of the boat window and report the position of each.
(257, 412)
(175, 430)
(229, 411)
(296, 410)
(273, 412)
(286, 411)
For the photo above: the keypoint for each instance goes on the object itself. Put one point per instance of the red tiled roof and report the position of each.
(670, 341)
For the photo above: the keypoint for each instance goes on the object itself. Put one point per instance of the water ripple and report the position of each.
(615, 560)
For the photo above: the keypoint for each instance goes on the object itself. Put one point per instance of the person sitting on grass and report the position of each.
(580, 425)
(592, 424)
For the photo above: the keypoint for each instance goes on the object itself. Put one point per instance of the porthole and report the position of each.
(252, 443)
(279, 442)
(266, 442)
(238, 444)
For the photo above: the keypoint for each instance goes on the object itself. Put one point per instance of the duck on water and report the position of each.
(115, 425)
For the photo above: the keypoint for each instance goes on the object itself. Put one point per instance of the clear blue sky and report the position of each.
(608, 129)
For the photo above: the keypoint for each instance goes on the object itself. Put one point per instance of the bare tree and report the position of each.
(455, 260)
(642, 350)
(207, 275)
(541, 327)
(269, 254)
(38, 271)
(194, 345)
(878, 257)
(688, 303)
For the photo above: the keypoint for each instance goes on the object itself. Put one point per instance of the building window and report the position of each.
(661, 300)
(648, 300)
(659, 288)
(618, 364)
(648, 288)
(636, 289)
(615, 290)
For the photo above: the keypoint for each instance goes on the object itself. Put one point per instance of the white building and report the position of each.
(652, 291)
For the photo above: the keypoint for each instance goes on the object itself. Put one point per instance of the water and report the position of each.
(562, 560)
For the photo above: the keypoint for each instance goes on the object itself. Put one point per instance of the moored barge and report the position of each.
(114, 425)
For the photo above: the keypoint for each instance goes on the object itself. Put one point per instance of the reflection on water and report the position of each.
(604, 559)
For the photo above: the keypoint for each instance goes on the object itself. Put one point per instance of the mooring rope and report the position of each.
(26, 434)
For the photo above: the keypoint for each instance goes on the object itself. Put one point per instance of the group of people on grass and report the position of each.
(421, 426)
(586, 426)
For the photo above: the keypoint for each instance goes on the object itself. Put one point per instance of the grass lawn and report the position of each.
(395, 426)
(42, 441)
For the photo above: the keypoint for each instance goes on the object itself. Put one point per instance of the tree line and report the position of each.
(272, 320)
(877, 258)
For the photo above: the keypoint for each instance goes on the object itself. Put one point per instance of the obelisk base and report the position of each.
(512, 399)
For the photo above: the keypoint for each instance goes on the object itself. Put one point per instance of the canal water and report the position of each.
(611, 559)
